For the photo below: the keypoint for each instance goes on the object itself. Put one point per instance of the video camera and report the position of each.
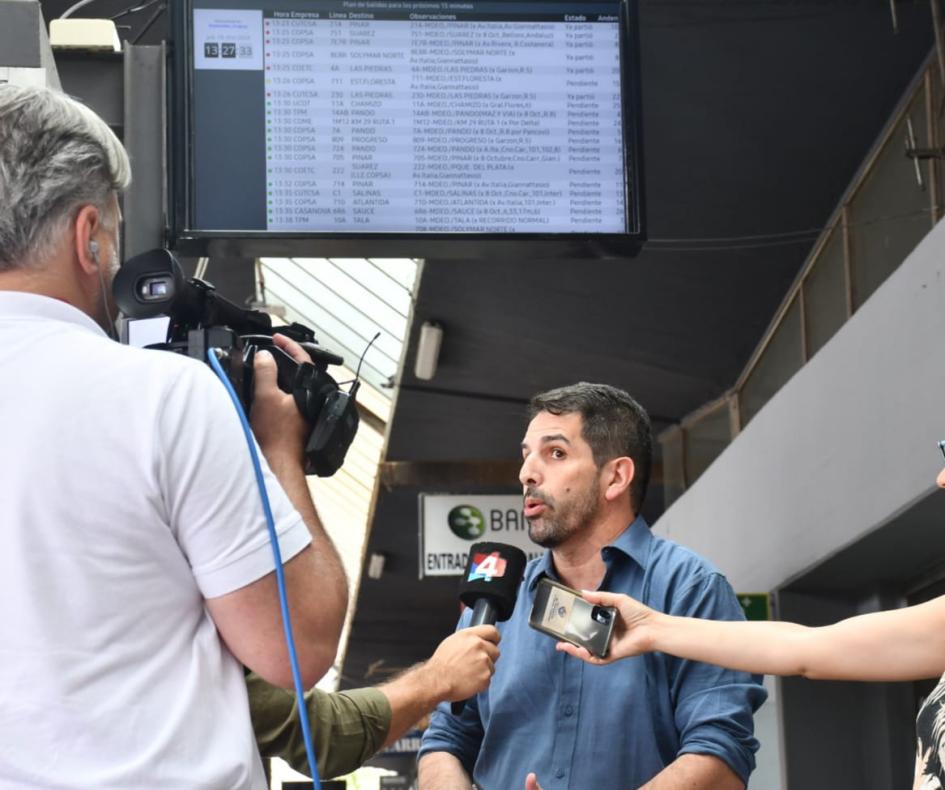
(153, 284)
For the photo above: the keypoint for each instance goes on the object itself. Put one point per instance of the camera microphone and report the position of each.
(153, 283)
(490, 586)
(334, 431)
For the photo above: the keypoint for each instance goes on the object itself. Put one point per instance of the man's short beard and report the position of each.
(566, 521)
(552, 538)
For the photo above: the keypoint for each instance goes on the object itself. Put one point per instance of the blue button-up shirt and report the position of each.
(587, 727)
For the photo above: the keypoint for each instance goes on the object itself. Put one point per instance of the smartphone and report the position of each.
(562, 613)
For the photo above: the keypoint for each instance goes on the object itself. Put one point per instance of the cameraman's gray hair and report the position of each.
(56, 155)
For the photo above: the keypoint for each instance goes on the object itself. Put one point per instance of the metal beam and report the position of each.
(20, 34)
(446, 475)
(144, 121)
(25, 55)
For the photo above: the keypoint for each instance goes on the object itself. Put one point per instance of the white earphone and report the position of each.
(93, 251)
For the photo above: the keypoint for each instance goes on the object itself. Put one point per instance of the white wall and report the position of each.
(847, 444)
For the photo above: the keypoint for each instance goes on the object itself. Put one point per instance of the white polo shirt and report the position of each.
(126, 498)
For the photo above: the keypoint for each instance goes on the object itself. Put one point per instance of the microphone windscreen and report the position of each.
(493, 572)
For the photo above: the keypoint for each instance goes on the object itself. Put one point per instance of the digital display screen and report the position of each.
(410, 117)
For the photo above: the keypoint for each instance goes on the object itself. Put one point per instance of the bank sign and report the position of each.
(450, 524)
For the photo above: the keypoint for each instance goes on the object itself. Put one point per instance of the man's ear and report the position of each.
(619, 474)
(88, 222)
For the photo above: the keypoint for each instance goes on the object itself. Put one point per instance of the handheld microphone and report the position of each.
(490, 586)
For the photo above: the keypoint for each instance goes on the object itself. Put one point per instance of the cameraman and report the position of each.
(137, 573)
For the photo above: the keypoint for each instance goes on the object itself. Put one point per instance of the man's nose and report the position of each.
(529, 473)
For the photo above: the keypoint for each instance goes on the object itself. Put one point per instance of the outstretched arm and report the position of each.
(901, 644)
(348, 727)
(461, 667)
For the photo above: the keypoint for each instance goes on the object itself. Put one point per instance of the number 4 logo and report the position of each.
(488, 566)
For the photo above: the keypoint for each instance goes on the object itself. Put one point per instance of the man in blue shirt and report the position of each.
(648, 722)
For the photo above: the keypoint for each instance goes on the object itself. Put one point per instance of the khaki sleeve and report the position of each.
(348, 727)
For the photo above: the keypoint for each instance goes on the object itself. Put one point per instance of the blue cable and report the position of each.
(280, 576)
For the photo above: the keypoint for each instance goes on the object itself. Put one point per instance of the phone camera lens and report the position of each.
(602, 616)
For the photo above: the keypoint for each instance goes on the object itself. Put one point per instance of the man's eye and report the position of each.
(557, 453)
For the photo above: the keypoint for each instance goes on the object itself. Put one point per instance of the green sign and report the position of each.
(757, 606)
(467, 522)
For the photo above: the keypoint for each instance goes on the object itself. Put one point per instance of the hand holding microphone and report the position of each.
(464, 662)
(490, 586)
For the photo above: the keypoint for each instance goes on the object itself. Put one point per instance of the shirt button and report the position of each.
(559, 774)
(568, 710)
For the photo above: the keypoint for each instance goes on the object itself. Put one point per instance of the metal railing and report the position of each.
(894, 199)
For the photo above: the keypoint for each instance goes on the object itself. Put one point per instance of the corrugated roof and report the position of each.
(346, 301)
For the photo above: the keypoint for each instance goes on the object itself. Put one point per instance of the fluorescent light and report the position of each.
(428, 350)
(375, 568)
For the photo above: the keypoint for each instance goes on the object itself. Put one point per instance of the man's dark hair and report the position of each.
(614, 425)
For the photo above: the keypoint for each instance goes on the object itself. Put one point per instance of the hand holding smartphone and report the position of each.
(562, 613)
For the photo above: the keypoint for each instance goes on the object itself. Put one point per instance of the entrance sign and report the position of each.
(451, 523)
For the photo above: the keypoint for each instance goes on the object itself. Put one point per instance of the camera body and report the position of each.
(153, 283)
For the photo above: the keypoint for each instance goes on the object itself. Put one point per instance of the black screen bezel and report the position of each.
(187, 239)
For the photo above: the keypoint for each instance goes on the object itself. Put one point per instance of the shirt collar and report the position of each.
(634, 542)
(543, 568)
(21, 304)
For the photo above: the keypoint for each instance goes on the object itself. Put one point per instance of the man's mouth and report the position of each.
(533, 507)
